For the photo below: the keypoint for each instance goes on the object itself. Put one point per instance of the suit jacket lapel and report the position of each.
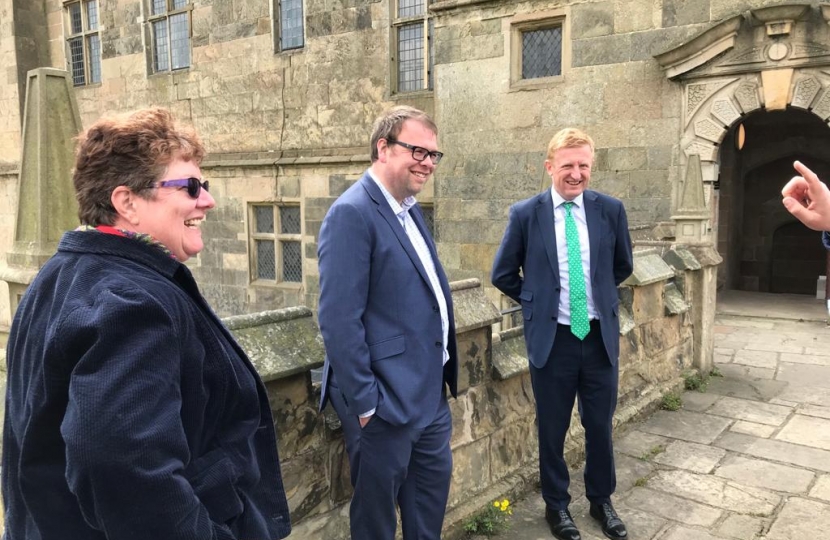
(593, 215)
(394, 224)
(544, 215)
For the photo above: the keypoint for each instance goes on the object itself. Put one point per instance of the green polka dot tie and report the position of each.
(579, 297)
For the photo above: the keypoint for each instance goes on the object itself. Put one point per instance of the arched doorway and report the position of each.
(765, 249)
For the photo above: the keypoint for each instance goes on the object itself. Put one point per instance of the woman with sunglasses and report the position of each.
(131, 412)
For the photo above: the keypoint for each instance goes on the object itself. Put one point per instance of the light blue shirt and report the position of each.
(578, 213)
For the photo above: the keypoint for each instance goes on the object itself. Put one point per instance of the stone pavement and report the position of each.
(747, 459)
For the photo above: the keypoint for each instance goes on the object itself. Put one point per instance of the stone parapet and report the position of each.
(494, 425)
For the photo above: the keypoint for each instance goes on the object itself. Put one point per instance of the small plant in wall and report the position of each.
(490, 521)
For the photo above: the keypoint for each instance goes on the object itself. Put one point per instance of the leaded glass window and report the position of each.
(170, 34)
(83, 42)
(414, 58)
(291, 33)
(276, 243)
(542, 52)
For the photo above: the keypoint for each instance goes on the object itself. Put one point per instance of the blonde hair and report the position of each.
(569, 138)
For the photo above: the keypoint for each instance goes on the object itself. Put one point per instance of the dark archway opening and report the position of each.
(764, 248)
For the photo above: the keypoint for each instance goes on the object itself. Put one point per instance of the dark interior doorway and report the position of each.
(764, 248)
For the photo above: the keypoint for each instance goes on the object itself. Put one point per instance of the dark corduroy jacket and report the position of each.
(131, 412)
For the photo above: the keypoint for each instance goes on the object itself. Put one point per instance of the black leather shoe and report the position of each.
(562, 525)
(612, 525)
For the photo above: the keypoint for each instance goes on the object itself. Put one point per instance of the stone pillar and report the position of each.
(46, 204)
(697, 266)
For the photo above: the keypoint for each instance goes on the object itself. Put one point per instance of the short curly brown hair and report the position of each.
(130, 150)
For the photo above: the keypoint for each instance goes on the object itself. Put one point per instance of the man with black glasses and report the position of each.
(387, 322)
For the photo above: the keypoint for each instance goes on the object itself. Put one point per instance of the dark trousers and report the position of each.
(576, 369)
(397, 466)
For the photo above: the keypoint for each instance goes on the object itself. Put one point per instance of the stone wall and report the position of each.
(494, 434)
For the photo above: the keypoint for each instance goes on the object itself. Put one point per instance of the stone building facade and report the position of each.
(284, 92)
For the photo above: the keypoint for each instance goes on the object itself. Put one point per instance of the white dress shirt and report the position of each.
(578, 213)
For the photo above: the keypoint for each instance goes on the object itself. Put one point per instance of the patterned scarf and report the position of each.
(141, 237)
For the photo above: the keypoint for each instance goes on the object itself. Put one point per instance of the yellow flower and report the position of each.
(496, 504)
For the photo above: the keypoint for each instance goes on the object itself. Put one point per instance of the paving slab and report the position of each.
(756, 388)
(814, 395)
(750, 411)
(821, 489)
(683, 533)
(803, 374)
(690, 456)
(673, 508)
(742, 372)
(784, 452)
(765, 474)
(640, 444)
(685, 425)
(717, 492)
(800, 519)
(777, 346)
(761, 359)
(698, 401)
(742, 527)
(751, 428)
(630, 470)
(806, 359)
(642, 525)
(807, 431)
(812, 410)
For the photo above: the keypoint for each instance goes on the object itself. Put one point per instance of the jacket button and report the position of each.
(435, 309)
(439, 344)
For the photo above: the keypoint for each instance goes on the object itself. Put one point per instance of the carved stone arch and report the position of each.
(731, 70)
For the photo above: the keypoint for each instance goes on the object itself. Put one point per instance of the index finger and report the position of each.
(807, 174)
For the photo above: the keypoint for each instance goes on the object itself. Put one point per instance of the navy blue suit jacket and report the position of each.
(378, 314)
(529, 245)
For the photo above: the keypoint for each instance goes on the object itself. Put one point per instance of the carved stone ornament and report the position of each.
(747, 96)
(698, 93)
(805, 92)
(707, 152)
(822, 108)
(708, 129)
(725, 111)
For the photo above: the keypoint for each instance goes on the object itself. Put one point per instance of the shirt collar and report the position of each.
(397, 208)
(558, 199)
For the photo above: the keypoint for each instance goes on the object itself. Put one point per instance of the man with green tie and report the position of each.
(563, 255)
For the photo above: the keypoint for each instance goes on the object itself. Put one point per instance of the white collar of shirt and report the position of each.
(558, 199)
(397, 208)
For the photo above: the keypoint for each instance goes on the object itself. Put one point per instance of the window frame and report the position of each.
(151, 19)
(396, 23)
(278, 238)
(84, 36)
(276, 18)
(538, 21)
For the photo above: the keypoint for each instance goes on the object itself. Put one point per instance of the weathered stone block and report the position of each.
(648, 302)
(592, 20)
(470, 471)
(473, 358)
(306, 485)
(601, 50)
(512, 446)
(626, 159)
(680, 12)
